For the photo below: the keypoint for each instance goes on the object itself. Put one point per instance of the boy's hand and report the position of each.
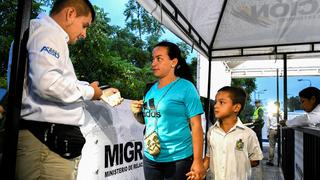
(254, 163)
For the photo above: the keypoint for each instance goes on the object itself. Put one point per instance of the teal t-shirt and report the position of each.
(179, 101)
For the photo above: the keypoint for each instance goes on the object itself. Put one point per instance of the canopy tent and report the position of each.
(241, 68)
(228, 30)
(251, 38)
(221, 30)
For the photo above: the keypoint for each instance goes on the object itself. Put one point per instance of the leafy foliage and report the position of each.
(249, 85)
(110, 54)
(8, 11)
(294, 103)
(138, 20)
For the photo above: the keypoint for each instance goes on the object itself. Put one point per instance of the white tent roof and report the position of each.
(236, 31)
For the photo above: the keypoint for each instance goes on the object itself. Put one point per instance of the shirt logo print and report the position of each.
(50, 51)
(149, 109)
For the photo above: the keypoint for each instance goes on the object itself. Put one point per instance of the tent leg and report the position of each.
(8, 163)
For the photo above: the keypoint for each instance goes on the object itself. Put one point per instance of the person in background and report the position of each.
(257, 120)
(50, 140)
(310, 100)
(171, 111)
(233, 148)
(273, 130)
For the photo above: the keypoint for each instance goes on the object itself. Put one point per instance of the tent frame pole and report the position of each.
(208, 105)
(18, 67)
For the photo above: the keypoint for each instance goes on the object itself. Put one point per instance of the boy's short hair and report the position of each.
(83, 7)
(237, 95)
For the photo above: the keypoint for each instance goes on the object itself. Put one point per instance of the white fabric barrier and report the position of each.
(114, 143)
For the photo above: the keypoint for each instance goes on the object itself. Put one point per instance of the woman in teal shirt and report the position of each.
(171, 111)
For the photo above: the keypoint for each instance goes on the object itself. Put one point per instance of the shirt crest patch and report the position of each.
(239, 145)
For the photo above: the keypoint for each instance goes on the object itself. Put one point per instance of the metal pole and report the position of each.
(285, 98)
(15, 90)
(208, 107)
(278, 129)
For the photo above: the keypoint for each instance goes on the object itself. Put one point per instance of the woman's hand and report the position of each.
(197, 168)
(197, 171)
(136, 106)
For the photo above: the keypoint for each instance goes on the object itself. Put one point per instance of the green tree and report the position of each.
(140, 21)
(193, 68)
(8, 11)
(294, 103)
(118, 56)
(126, 45)
(248, 84)
(105, 55)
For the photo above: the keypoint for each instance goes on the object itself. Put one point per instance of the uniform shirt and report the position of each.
(52, 92)
(179, 102)
(230, 153)
(309, 119)
(257, 117)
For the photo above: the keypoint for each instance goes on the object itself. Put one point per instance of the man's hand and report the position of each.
(97, 91)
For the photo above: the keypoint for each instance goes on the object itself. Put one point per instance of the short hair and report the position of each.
(309, 92)
(83, 7)
(237, 95)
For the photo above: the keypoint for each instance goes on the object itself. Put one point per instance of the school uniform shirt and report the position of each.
(309, 119)
(168, 111)
(52, 92)
(230, 153)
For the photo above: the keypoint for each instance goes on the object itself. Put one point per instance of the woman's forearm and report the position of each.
(197, 138)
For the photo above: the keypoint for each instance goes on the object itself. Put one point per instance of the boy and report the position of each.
(232, 147)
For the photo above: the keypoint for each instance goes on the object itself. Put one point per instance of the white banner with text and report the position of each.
(114, 143)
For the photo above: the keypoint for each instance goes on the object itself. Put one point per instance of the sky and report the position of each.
(293, 87)
(266, 87)
(115, 11)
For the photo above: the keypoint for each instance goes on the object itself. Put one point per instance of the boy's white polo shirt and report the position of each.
(230, 153)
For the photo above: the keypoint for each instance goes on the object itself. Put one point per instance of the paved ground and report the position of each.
(264, 172)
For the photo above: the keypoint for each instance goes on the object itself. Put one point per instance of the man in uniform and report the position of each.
(258, 121)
